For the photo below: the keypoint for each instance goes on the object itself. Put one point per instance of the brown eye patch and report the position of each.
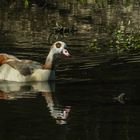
(58, 45)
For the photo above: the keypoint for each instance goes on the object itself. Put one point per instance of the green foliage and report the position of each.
(94, 45)
(26, 3)
(82, 1)
(124, 40)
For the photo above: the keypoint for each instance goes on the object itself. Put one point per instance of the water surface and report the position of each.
(95, 95)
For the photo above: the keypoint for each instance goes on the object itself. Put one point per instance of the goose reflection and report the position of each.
(15, 91)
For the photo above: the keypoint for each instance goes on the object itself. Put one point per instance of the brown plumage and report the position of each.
(6, 58)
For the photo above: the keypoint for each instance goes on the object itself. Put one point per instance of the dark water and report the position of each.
(79, 110)
(95, 95)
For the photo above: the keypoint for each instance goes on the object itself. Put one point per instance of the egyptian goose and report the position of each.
(14, 69)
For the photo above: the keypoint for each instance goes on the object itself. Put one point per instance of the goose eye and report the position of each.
(58, 45)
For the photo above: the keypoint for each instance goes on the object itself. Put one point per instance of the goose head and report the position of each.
(59, 48)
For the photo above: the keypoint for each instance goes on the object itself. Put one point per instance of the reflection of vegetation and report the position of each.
(26, 3)
(94, 45)
(125, 41)
(102, 15)
(123, 38)
(100, 3)
(82, 1)
(59, 32)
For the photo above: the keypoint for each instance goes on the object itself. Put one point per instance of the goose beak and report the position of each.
(65, 52)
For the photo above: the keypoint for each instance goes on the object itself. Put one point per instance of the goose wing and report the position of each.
(25, 67)
(4, 58)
